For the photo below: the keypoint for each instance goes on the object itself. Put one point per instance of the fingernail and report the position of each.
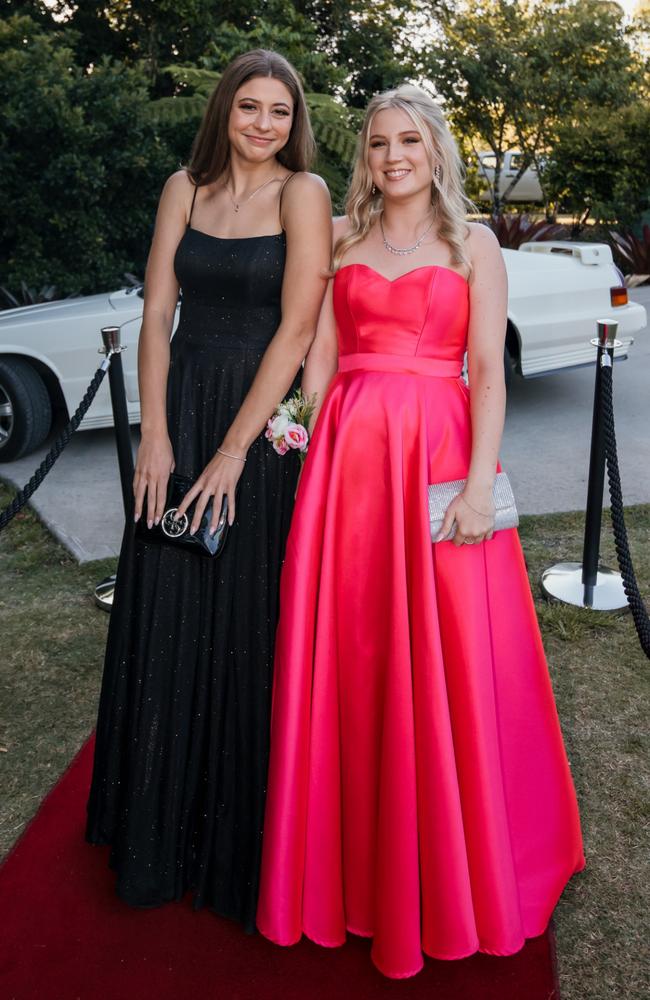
(150, 523)
(212, 532)
(136, 518)
(157, 521)
(439, 537)
(192, 531)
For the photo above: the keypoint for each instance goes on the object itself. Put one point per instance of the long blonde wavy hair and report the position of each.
(448, 199)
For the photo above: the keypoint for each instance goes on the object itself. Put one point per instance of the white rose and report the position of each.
(279, 425)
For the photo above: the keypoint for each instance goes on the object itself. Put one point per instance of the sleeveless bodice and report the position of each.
(422, 314)
(231, 289)
(180, 774)
(418, 789)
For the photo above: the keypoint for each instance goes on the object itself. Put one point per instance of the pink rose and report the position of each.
(281, 446)
(296, 436)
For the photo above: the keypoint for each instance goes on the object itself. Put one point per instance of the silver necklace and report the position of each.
(238, 204)
(401, 251)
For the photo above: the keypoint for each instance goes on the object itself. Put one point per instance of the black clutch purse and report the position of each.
(172, 532)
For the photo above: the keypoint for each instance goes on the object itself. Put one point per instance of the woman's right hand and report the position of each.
(154, 464)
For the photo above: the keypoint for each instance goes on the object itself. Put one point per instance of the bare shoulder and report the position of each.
(341, 227)
(481, 240)
(488, 276)
(304, 183)
(178, 192)
(179, 184)
(304, 189)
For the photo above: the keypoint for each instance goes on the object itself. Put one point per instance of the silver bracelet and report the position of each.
(228, 455)
(479, 512)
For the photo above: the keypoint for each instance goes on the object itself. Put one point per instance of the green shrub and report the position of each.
(82, 164)
(601, 161)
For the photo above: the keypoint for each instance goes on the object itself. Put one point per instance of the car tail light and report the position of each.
(618, 295)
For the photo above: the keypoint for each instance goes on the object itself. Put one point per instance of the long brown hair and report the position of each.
(211, 149)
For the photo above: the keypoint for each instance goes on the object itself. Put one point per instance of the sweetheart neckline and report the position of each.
(421, 267)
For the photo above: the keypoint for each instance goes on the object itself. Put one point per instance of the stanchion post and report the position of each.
(113, 349)
(593, 517)
(590, 584)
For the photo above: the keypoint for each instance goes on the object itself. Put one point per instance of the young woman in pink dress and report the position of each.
(419, 791)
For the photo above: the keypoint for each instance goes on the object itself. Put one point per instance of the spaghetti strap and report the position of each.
(284, 184)
(196, 188)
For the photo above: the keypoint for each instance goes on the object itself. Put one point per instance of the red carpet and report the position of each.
(66, 936)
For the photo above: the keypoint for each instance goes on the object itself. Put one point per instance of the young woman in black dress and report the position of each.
(181, 755)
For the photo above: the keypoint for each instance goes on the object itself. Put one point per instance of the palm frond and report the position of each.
(202, 81)
(335, 139)
(512, 230)
(178, 110)
(332, 125)
(634, 251)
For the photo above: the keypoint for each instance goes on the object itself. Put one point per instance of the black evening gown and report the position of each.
(182, 736)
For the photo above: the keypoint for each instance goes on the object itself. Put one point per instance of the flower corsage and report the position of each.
(287, 428)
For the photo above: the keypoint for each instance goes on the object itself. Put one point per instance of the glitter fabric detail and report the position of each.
(182, 736)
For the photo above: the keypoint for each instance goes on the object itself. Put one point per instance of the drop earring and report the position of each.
(374, 190)
(437, 172)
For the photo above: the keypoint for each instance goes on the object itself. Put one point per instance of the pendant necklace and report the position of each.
(238, 204)
(401, 251)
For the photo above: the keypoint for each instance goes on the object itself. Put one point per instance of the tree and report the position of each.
(513, 74)
(366, 44)
(600, 164)
(370, 41)
(580, 61)
(82, 165)
(277, 25)
(135, 31)
(477, 65)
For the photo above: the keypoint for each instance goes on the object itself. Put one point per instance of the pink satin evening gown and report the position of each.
(419, 791)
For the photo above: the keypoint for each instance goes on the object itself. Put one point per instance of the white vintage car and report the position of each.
(48, 353)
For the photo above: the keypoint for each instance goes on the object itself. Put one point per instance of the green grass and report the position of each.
(600, 677)
(52, 639)
(52, 649)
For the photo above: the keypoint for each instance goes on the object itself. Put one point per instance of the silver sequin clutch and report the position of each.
(441, 495)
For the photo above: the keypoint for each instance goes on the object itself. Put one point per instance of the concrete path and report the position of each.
(545, 452)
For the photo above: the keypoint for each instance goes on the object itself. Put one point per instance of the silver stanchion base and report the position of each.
(563, 582)
(104, 593)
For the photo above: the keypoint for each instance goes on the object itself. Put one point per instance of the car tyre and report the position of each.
(25, 409)
(508, 367)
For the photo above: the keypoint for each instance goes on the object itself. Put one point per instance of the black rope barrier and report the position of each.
(630, 585)
(24, 495)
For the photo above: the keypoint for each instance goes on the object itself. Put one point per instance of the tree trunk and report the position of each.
(497, 207)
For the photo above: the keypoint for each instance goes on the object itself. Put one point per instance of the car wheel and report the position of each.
(508, 367)
(25, 410)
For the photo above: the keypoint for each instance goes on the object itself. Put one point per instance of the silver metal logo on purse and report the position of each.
(441, 495)
(171, 527)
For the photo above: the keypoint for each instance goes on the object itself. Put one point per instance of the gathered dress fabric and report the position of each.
(419, 790)
(182, 735)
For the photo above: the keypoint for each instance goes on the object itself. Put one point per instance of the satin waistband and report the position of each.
(400, 363)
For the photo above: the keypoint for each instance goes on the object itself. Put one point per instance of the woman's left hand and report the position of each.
(474, 517)
(219, 478)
